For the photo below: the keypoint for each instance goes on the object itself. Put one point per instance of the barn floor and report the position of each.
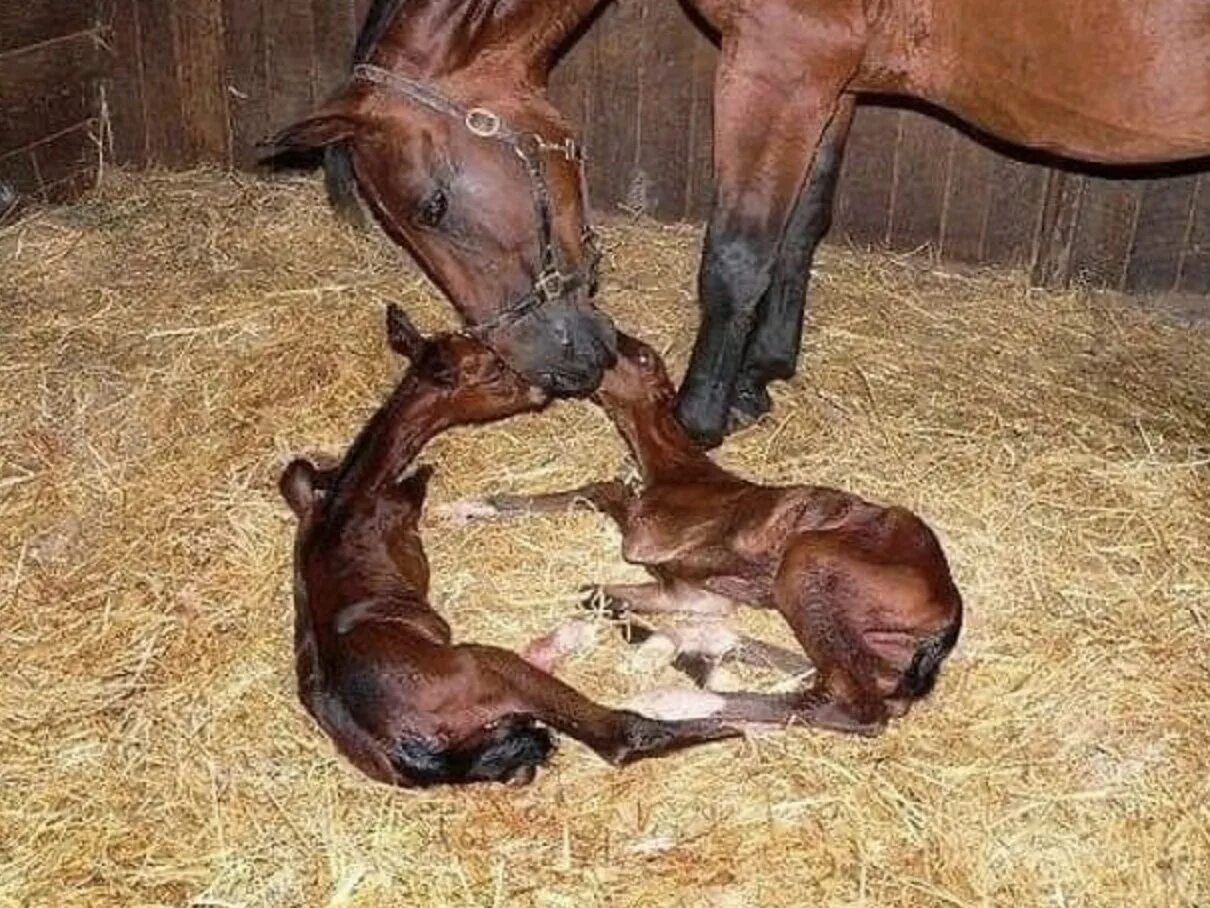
(168, 341)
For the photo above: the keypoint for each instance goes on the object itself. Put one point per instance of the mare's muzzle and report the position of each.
(563, 347)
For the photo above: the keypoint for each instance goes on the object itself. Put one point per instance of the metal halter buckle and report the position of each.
(550, 284)
(483, 122)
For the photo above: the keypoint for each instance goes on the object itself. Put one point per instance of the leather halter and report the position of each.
(553, 282)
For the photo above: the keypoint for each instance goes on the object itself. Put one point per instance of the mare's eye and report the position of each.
(433, 210)
(646, 360)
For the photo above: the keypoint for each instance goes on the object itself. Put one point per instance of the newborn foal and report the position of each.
(866, 589)
(376, 667)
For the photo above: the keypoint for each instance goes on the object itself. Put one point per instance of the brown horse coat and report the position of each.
(865, 588)
(376, 665)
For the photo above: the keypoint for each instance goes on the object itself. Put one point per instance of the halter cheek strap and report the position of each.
(552, 282)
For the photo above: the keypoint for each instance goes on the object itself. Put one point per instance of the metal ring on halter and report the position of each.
(550, 285)
(483, 122)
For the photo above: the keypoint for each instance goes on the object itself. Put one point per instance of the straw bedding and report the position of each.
(167, 342)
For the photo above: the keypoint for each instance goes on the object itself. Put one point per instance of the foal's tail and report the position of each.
(921, 675)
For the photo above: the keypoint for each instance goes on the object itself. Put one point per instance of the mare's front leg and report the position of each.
(773, 347)
(771, 113)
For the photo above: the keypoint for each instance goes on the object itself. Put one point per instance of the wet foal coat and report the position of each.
(865, 588)
(376, 665)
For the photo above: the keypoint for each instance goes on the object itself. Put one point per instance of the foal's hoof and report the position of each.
(673, 703)
(652, 655)
(468, 510)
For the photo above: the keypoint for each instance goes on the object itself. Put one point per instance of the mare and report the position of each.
(866, 589)
(1103, 81)
(445, 131)
(376, 666)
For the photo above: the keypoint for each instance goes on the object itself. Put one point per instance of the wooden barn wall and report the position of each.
(51, 61)
(202, 81)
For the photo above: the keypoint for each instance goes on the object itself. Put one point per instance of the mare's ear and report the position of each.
(335, 121)
(402, 335)
(297, 486)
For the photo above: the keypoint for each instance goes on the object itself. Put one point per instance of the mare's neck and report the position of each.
(439, 37)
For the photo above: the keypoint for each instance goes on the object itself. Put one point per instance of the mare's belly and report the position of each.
(1116, 81)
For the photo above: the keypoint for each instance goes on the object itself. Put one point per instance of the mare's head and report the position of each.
(466, 164)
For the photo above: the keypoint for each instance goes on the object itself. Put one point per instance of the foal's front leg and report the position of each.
(611, 498)
(770, 118)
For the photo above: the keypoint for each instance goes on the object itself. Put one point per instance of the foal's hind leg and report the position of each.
(773, 347)
(619, 736)
(815, 593)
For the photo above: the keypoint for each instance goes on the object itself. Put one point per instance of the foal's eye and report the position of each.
(433, 210)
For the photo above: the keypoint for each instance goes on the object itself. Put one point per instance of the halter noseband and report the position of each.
(552, 282)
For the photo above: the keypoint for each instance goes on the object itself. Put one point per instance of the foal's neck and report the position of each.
(662, 447)
(442, 36)
(390, 441)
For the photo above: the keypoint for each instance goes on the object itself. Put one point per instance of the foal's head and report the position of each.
(467, 165)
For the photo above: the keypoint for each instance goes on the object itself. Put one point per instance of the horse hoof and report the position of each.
(750, 403)
(672, 703)
(467, 511)
(652, 655)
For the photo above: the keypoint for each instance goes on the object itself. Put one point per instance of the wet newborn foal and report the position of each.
(375, 663)
(866, 589)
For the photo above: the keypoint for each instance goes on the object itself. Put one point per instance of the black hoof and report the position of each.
(750, 403)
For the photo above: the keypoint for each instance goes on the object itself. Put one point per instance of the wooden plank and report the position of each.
(290, 52)
(19, 175)
(1050, 263)
(167, 142)
(665, 62)
(247, 80)
(67, 163)
(124, 83)
(47, 88)
(1195, 265)
(1154, 262)
(1104, 231)
(335, 32)
(1017, 194)
(699, 167)
(199, 30)
(922, 159)
(613, 175)
(863, 206)
(26, 22)
(968, 200)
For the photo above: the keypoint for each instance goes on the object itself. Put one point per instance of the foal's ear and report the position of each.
(297, 485)
(415, 485)
(334, 122)
(402, 335)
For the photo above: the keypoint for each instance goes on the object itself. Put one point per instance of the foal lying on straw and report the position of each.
(866, 589)
(376, 667)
